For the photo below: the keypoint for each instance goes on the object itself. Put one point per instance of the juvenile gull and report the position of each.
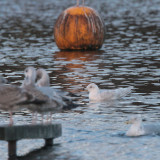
(43, 82)
(47, 102)
(138, 129)
(96, 94)
(13, 98)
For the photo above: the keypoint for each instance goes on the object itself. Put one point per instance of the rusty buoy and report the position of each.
(79, 28)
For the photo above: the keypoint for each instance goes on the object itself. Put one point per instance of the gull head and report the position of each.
(30, 75)
(42, 78)
(92, 87)
(135, 119)
(40, 73)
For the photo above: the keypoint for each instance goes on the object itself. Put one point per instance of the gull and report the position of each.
(13, 98)
(96, 94)
(43, 83)
(138, 129)
(46, 102)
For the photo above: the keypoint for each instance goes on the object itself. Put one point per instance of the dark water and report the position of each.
(130, 56)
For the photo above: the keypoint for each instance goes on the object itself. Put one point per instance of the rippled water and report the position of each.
(129, 57)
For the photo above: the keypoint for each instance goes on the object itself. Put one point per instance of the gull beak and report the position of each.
(85, 89)
(128, 122)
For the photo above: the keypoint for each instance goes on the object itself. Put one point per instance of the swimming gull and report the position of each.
(96, 94)
(138, 129)
(48, 103)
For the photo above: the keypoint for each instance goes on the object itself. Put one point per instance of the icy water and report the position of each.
(130, 56)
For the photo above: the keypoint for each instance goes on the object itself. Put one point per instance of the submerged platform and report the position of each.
(39, 131)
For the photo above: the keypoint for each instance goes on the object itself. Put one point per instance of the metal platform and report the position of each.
(39, 131)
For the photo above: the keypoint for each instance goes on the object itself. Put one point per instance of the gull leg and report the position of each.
(34, 118)
(42, 118)
(50, 117)
(11, 118)
(47, 122)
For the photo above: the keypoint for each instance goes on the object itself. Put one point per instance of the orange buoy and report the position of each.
(79, 28)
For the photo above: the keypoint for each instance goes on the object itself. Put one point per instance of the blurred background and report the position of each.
(129, 57)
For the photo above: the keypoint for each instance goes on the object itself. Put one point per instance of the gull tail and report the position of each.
(122, 92)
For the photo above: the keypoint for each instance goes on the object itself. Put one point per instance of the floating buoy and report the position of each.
(79, 28)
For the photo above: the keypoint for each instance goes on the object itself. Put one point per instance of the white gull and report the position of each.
(96, 94)
(138, 129)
